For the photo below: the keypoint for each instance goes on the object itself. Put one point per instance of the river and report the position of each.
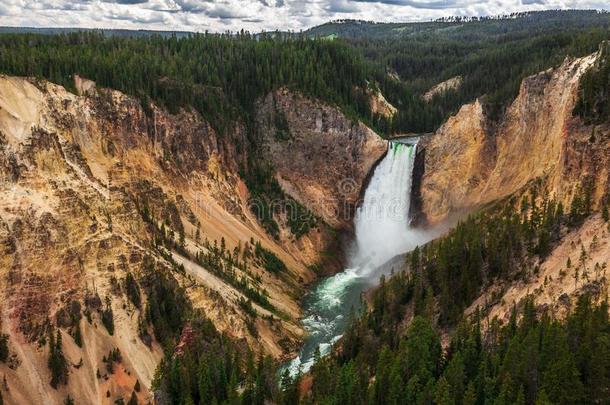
(382, 232)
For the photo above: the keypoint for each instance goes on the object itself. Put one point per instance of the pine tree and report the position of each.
(470, 397)
(134, 399)
(108, 317)
(57, 362)
(133, 290)
(455, 376)
(543, 399)
(382, 376)
(78, 338)
(561, 380)
(4, 352)
(442, 395)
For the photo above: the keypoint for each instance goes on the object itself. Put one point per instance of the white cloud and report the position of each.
(253, 15)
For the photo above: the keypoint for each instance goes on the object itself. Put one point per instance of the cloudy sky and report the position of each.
(253, 15)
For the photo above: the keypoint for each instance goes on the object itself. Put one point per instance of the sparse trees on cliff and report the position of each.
(57, 362)
(107, 316)
(133, 290)
(4, 352)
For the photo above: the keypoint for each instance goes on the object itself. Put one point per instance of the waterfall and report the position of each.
(382, 231)
(382, 220)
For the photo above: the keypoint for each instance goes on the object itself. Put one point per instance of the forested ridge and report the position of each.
(491, 55)
(219, 75)
(537, 360)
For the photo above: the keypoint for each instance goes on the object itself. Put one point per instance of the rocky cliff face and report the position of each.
(539, 143)
(87, 185)
(336, 155)
(470, 162)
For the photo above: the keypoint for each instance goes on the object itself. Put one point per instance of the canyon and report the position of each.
(89, 180)
(79, 171)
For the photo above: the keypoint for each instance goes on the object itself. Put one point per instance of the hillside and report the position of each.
(491, 55)
(476, 28)
(104, 207)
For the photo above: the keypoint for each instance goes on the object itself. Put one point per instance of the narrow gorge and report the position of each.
(382, 231)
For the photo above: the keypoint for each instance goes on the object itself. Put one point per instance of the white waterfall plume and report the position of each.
(382, 220)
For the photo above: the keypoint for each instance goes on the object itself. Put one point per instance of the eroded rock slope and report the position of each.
(96, 189)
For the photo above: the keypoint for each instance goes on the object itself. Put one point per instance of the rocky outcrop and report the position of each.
(456, 157)
(450, 84)
(379, 104)
(323, 159)
(469, 162)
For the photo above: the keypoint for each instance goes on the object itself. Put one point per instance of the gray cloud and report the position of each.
(426, 4)
(253, 15)
(126, 1)
(341, 6)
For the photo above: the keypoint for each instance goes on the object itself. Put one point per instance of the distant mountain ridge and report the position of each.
(353, 29)
(455, 27)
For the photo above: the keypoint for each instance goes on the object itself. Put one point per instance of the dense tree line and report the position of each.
(491, 68)
(219, 75)
(209, 368)
(466, 28)
(537, 360)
